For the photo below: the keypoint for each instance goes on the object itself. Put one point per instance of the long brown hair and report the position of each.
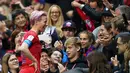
(5, 66)
(13, 36)
(98, 63)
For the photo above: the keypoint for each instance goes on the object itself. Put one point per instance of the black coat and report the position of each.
(78, 70)
(80, 62)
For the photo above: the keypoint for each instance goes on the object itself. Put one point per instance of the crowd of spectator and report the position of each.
(64, 36)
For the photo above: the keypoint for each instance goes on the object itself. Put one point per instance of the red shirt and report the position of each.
(35, 48)
(127, 2)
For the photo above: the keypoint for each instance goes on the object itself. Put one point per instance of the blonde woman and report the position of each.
(55, 18)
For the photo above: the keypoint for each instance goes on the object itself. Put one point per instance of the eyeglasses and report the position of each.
(68, 29)
(55, 12)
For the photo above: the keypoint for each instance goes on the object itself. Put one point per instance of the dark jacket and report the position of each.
(80, 24)
(109, 51)
(120, 69)
(80, 62)
(116, 3)
(95, 15)
(65, 6)
(53, 72)
(78, 70)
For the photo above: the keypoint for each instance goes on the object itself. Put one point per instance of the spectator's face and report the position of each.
(68, 32)
(121, 47)
(41, 7)
(55, 13)
(44, 56)
(117, 12)
(104, 36)
(13, 62)
(20, 20)
(44, 66)
(18, 38)
(93, 4)
(71, 51)
(36, 5)
(102, 31)
(84, 40)
(56, 57)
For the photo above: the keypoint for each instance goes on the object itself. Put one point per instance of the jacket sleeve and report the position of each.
(92, 13)
(54, 37)
(117, 69)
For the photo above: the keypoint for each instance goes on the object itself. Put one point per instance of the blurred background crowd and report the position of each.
(76, 36)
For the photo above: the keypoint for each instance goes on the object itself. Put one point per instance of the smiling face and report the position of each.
(56, 57)
(104, 35)
(44, 56)
(68, 32)
(102, 32)
(121, 47)
(71, 51)
(42, 22)
(84, 40)
(55, 13)
(20, 20)
(13, 62)
(44, 64)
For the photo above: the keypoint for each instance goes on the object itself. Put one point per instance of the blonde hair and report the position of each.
(59, 22)
(73, 41)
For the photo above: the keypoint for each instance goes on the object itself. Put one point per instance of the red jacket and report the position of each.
(127, 2)
(89, 22)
